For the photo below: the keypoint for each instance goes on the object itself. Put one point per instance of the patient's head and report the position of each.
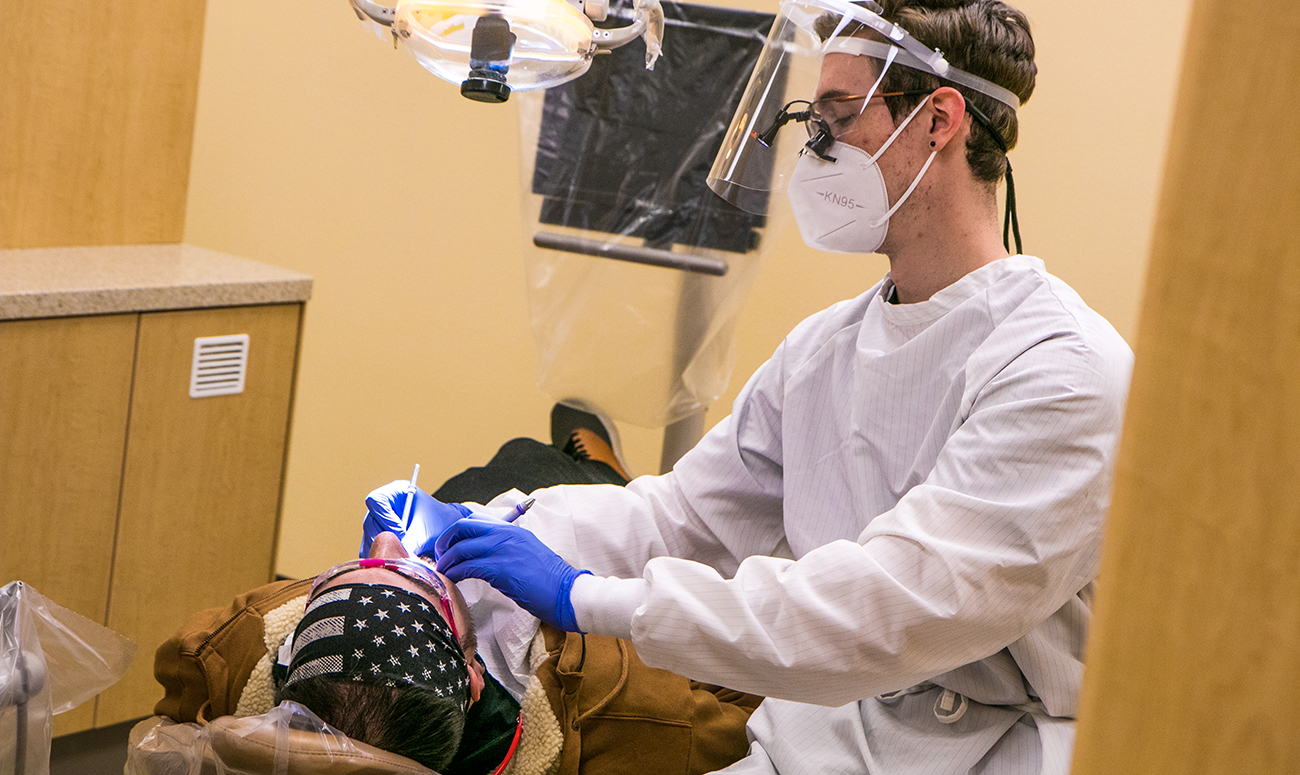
(386, 654)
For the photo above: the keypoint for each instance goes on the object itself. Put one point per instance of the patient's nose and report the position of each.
(387, 546)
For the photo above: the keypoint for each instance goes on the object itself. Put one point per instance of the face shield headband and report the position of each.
(378, 635)
(756, 158)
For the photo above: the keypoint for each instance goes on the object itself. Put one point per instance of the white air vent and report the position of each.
(220, 363)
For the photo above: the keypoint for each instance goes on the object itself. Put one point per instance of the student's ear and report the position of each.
(947, 117)
(476, 680)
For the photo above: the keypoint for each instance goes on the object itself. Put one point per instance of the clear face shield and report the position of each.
(823, 68)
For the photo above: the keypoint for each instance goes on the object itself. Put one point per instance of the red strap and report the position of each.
(519, 729)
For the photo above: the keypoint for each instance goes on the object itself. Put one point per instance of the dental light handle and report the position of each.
(612, 39)
(368, 9)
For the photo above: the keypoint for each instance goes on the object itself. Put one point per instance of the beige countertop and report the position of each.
(60, 282)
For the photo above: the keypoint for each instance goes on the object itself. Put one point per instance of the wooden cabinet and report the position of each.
(126, 500)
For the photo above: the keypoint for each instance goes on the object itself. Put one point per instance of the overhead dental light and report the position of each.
(493, 47)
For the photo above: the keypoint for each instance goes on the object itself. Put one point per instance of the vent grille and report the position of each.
(220, 363)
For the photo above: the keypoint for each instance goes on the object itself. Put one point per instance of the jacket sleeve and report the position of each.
(204, 666)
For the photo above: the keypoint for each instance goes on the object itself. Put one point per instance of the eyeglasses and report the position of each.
(407, 567)
(826, 118)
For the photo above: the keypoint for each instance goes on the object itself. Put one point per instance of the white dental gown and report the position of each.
(894, 535)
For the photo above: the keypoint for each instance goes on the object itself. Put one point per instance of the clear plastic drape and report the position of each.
(287, 740)
(51, 661)
(615, 166)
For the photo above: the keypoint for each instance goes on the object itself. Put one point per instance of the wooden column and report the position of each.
(1194, 660)
(96, 120)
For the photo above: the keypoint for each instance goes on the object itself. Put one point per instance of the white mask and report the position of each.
(843, 206)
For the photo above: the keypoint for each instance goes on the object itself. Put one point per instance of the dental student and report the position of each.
(894, 536)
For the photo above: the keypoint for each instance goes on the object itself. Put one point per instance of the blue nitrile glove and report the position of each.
(429, 517)
(514, 561)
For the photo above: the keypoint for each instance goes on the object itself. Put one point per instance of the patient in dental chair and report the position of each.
(458, 679)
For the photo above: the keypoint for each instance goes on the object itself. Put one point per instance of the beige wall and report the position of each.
(319, 148)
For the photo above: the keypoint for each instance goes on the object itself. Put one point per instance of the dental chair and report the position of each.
(205, 669)
(289, 740)
(591, 706)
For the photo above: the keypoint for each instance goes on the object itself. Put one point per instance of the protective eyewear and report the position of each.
(407, 567)
(827, 118)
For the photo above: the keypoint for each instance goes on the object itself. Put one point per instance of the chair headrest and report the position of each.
(288, 739)
(251, 744)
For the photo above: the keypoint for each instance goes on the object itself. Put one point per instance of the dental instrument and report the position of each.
(410, 491)
(519, 510)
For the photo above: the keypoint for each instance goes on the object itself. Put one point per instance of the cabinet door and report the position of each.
(65, 385)
(201, 484)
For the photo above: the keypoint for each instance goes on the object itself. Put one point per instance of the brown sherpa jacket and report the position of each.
(609, 713)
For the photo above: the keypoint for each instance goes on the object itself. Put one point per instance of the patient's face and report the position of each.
(388, 546)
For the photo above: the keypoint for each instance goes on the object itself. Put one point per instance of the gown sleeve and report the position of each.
(1004, 531)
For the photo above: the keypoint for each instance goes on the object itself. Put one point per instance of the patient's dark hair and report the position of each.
(410, 721)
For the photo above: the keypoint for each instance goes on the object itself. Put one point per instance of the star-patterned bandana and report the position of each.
(379, 635)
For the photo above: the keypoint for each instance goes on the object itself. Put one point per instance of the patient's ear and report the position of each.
(476, 682)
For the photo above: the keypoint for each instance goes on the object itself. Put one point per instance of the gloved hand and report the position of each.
(429, 517)
(514, 561)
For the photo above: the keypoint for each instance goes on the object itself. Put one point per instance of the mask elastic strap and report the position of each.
(916, 180)
(900, 129)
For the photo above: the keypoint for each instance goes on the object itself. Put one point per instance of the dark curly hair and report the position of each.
(987, 38)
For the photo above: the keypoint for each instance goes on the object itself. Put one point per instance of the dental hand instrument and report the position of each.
(519, 510)
(410, 496)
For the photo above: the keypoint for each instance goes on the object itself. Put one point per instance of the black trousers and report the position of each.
(525, 465)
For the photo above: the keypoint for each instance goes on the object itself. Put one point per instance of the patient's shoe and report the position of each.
(586, 444)
(600, 442)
